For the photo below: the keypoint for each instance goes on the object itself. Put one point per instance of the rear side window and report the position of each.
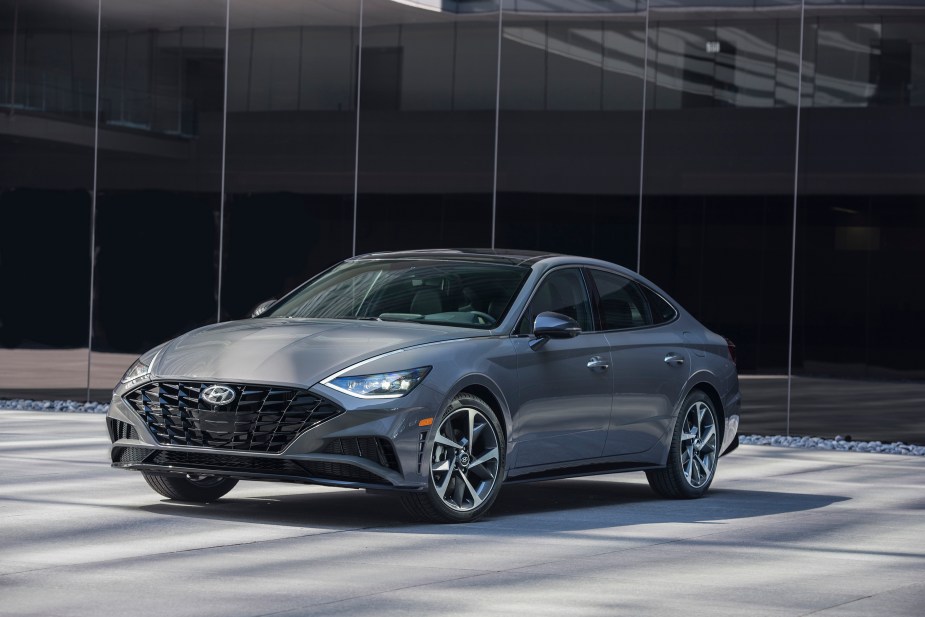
(621, 304)
(662, 312)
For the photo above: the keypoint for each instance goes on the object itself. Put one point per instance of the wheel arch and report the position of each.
(485, 393)
(485, 388)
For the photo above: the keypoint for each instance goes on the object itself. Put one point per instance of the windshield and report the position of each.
(474, 295)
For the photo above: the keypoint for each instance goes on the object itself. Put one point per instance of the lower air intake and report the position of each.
(252, 464)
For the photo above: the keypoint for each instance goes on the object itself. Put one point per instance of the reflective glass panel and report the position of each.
(858, 309)
(47, 97)
(570, 128)
(427, 126)
(720, 149)
(291, 147)
(159, 177)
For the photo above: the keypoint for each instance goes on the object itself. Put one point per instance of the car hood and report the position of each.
(288, 351)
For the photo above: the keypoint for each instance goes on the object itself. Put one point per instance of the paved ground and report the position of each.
(784, 532)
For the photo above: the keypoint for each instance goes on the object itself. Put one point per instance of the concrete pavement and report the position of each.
(783, 532)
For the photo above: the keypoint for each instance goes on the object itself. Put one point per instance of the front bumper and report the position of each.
(372, 444)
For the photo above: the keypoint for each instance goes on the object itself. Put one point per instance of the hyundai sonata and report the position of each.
(440, 375)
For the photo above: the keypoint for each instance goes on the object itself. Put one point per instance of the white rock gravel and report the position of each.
(839, 443)
(20, 404)
(819, 443)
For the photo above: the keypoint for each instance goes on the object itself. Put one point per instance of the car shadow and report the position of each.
(557, 505)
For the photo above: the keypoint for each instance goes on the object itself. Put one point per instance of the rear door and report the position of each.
(651, 364)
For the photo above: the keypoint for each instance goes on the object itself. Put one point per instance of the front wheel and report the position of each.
(198, 488)
(693, 453)
(466, 461)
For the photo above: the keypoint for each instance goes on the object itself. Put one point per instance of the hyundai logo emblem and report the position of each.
(218, 395)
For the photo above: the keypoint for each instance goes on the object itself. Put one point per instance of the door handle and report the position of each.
(596, 364)
(673, 359)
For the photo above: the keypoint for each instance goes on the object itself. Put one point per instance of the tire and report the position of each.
(465, 464)
(201, 489)
(693, 453)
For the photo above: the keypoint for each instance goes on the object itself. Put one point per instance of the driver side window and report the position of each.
(562, 291)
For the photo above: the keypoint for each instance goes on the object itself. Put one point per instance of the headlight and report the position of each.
(136, 371)
(379, 385)
(141, 367)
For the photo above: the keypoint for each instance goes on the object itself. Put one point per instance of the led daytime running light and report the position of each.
(379, 385)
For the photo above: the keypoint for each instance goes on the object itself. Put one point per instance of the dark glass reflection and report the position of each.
(863, 60)
(718, 175)
(427, 127)
(47, 87)
(718, 186)
(159, 177)
(291, 148)
(858, 310)
(570, 130)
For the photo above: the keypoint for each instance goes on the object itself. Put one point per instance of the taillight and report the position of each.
(732, 350)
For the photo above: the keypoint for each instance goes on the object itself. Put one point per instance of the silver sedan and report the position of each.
(440, 375)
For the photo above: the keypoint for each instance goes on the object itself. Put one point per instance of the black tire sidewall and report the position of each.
(180, 488)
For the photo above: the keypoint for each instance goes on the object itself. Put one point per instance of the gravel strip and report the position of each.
(839, 443)
(817, 443)
(20, 404)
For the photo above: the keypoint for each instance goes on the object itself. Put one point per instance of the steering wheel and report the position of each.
(484, 318)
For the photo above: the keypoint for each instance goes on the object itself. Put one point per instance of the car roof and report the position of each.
(499, 256)
(514, 257)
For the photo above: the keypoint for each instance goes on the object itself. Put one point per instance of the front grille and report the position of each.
(120, 430)
(225, 462)
(375, 449)
(259, 419)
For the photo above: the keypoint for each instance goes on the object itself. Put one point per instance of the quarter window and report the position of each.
(662, 312)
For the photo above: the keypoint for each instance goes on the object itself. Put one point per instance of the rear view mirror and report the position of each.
(261, 308)
(549, 325)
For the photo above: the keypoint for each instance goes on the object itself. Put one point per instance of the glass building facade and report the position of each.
(167, 164)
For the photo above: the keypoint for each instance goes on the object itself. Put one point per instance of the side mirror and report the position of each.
(553, 325)
(261, 308)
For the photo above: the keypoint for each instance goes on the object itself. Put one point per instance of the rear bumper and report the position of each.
(730, 435)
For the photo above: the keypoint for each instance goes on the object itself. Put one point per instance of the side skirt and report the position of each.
(590, 469)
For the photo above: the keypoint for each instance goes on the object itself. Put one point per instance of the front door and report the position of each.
(566, 385)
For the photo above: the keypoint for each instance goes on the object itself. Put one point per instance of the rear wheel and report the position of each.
(693, 453)
(191, 487)
(466, 461)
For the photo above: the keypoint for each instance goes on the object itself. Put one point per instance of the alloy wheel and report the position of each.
(465, 460)
(698, 444)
